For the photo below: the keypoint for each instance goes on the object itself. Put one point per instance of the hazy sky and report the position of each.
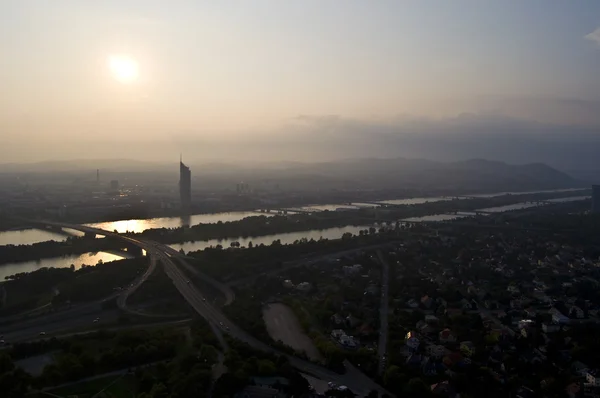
(213, 69)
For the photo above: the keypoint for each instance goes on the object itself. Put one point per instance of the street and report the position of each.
(354, 379)
(383, 312)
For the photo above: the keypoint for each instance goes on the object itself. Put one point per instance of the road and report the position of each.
(383, 312)
(122, 299)
(224, 289)
(31, 329)
(79, 316)
(354, 379)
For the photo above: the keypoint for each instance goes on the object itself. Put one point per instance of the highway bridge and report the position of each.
(354, 379)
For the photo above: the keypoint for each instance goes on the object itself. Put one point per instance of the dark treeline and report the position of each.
(50, 249)
(27, 290)
(225, 264)
(263, 225)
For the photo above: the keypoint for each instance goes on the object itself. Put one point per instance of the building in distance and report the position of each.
(185, 185)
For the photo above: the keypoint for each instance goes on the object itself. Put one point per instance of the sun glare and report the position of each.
(123, 68)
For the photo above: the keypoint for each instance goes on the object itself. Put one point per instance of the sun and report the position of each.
(123, 68)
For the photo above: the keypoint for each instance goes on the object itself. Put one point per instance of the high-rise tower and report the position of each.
(185, 185)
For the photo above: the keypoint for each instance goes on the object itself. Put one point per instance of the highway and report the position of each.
(31, 329)
(224, 289)
(122, 299)
(354, 379)
(383, 312)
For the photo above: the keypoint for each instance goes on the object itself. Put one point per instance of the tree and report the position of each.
(14, 384)
(159, 390)
(209, 353)
(417, 387)
(393, 378)
(6, 363)
(266, 368)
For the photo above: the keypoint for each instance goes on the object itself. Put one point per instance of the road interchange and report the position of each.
(354, 379)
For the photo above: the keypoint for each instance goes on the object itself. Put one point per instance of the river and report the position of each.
(57, 262)
(30, 236)
(93, 258)
(285, 238)
(174, 222)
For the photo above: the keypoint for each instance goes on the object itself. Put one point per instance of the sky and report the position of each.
(204, 71)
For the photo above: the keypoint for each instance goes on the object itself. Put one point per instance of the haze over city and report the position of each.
(300, 199)
(311, 80)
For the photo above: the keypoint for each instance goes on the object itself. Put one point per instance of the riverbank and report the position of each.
(339, 199)
(256, 230)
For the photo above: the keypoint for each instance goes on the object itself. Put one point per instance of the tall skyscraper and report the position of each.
(185, 185)
(595, 198)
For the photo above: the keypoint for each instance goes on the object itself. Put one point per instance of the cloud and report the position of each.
(138, 21)
(594, 36)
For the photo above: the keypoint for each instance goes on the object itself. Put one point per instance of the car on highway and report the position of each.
(2, 342)
(203, 298)
(187, 281)
(96, 320)
(42, 333)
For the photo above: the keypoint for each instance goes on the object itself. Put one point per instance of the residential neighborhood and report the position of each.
(506, 312)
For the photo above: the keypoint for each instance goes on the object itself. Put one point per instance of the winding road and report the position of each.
(383, 312)
(354, 379)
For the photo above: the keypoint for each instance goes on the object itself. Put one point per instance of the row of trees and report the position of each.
(99, 352)
(49, 249)
(228, 264)
(243, 362)
(14, 382)
(26, 291)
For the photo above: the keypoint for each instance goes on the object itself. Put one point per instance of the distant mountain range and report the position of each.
(476, 174)
(366, 173)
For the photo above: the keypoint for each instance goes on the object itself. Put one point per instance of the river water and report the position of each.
(34, 235)
(93, 258)
(174, 222)
(285, 238)
(30, 236)
(57, 262)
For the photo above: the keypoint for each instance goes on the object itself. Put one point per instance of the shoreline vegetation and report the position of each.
(261, 225)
